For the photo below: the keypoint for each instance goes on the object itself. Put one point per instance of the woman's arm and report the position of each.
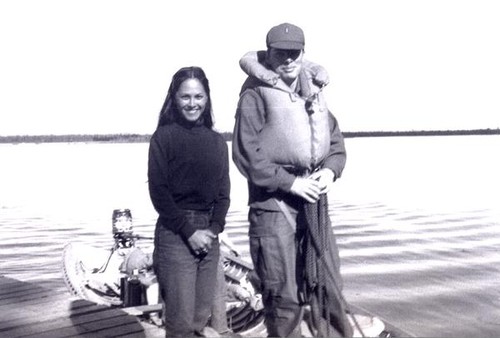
(222, 201)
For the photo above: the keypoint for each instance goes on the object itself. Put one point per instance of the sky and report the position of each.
(100, 67)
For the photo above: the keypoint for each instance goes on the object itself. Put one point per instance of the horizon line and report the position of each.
(136, 137)
(486, 130)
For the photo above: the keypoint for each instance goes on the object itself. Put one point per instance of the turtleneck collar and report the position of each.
(196, 125)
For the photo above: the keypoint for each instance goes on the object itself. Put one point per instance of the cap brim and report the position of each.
(293, 45)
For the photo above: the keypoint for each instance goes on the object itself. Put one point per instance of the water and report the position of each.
(416, 219)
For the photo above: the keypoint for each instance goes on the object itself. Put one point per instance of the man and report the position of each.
(289, 147)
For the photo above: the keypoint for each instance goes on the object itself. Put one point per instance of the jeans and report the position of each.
(187, 282)
(275, 248)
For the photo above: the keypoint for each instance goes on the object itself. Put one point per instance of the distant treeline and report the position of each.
(110, 138)
(137, 138)
(422, 133)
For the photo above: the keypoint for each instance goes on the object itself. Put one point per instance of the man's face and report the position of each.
(287, 63)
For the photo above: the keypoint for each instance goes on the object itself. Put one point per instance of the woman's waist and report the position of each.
(198, 214)
(196, 218)
(185, 213)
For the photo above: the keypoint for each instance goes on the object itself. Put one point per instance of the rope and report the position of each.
(317, 240)
(317, 248)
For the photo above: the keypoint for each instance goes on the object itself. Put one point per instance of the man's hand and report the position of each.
(307, 188)
(201, 241)
(325, 179)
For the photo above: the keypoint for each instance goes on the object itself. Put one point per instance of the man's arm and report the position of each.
(336, 158)
(252, 63)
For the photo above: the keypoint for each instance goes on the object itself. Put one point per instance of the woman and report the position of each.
(188, 172)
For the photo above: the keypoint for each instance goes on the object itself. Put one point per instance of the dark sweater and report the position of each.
(188, 169)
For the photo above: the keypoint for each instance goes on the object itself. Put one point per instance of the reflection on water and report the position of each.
(415, 221)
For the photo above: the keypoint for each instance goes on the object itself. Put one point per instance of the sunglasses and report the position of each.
(285, 54)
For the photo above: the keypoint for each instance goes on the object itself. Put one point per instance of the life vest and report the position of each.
(293, 135)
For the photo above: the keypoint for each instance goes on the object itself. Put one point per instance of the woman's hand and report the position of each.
(201, 241)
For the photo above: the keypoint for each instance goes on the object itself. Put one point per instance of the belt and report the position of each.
(298, 171)
(192, 212)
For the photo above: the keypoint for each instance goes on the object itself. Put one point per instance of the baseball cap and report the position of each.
(285, 36)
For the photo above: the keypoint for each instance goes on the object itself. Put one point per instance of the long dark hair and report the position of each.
(169, 112)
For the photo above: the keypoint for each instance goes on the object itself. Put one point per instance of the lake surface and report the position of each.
(416, 218)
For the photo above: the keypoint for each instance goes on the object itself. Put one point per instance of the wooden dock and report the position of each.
(28, 310)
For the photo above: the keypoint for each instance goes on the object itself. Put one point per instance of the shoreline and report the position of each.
(144, 138)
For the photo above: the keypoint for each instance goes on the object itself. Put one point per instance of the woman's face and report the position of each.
(191, 99)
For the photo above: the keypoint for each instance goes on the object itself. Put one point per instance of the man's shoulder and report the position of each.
(252, 84)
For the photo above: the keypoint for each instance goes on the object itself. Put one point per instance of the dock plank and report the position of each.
(28, 310)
